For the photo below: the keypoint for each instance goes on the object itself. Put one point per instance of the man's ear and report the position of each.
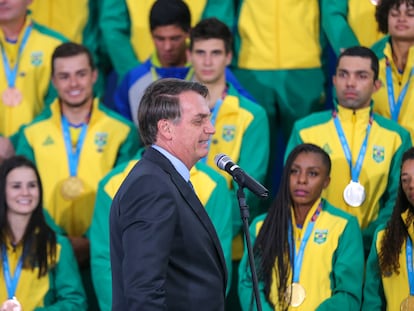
(377, 85)
(229, 57)
(164, 128)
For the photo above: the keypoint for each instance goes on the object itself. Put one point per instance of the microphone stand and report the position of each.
(244, 213)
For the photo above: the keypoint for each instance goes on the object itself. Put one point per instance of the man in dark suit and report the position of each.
(165, 253)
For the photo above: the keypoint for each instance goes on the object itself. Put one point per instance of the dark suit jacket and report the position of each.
(165, 253)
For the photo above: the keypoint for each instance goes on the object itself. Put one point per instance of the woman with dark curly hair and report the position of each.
(39, 269)
(396, 54)
(389, 271)
(309, 254)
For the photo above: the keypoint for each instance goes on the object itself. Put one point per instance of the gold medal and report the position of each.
(295, 294)
(407, 304)
(12, 97)
(71, 188)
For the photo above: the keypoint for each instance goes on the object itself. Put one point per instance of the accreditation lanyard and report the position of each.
(298, 257)
(395, 107)
(11, 73)
(73, 156)
(409, 257)
(355, 170)
(11, 281)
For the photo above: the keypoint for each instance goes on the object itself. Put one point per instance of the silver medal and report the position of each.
(354, 194)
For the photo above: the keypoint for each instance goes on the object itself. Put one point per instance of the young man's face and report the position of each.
(354, 82)
(209, 60)
(401, 22)
(170, 45)
(73, 79)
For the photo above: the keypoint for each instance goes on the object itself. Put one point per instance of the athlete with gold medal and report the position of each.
(309, 254)
(389, 280)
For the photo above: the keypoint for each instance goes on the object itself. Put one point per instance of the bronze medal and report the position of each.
(295, 294)
(12, 97)
(71, 188)
(407, 304)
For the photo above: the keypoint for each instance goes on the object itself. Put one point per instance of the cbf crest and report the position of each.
(378, 153)
(228, 132)
(320, 236)
(36, 58)
(101, 139)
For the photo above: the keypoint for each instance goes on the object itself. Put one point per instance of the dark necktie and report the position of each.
(191, 185)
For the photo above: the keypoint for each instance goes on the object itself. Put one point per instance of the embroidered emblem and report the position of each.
(101, 140)
(36, 58)
(327, 148)
(320, 236)
(228, 132)
(48, 141)
(378, 153)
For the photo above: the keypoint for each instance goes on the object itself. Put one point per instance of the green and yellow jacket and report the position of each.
(126, 31)
(384, 52)
(386, 292)
(380, 171)
(60, 289)
(110, 139)
(332, 268)
(278, 35)
(33, 75)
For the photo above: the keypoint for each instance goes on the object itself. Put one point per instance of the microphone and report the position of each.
(224, 163)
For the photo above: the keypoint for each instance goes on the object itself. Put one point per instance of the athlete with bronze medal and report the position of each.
(296, 293)
(72, 187)
(354, 193)
(12, 97)
(11, 280)
(408, 303)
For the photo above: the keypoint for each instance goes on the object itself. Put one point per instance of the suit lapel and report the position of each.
(190, 196)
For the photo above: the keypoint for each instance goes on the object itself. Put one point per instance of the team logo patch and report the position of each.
(228, 132)
(36, 58)
(378, 153)
(101, 140)
(320, 236)
(48, 141)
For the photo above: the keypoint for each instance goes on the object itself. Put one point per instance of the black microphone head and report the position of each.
(221, 160)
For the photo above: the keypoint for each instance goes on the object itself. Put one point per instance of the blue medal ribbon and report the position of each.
(11, 281)
(298, 257)
(73, 156)
(11, 73)
(395, 107)
(410, 270)
(355, 170)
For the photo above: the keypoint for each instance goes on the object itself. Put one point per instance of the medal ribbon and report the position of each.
(395, 107)
(11, 281)
(410, 270)
(73, 157)
(355, 170)
(11, 73)
(298, 257)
